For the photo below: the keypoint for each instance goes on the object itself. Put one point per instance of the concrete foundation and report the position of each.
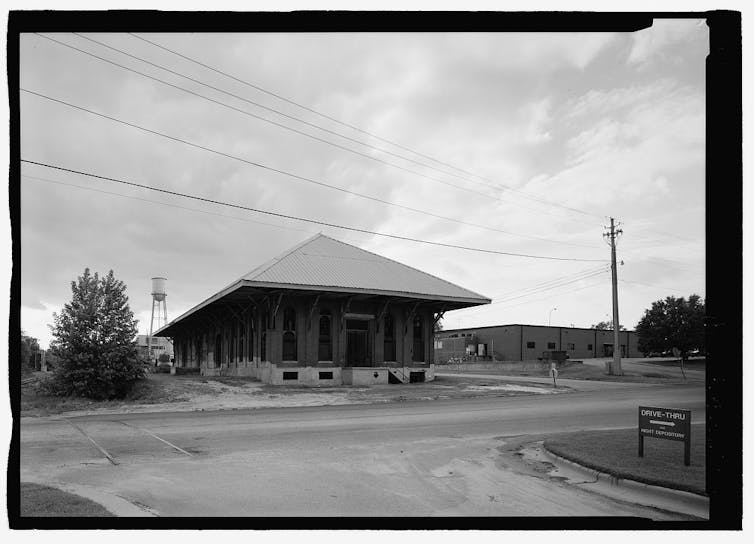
(315, 376)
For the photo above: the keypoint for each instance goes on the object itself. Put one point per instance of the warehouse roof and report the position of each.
(322, 263)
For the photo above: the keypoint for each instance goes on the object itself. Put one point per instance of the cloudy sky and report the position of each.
(519, 143)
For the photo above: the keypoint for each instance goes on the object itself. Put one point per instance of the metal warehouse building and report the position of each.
(323, 313)
(529, 342)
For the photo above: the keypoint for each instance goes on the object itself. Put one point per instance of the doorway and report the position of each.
(357, 343)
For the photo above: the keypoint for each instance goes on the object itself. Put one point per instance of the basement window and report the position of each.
(325, 376)
(290, 375)
(531, 345)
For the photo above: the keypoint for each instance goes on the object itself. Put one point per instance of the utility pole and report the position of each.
(615, 368)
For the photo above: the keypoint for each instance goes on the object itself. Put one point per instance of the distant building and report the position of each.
(322, 313)
(529, 342)
(158, 347)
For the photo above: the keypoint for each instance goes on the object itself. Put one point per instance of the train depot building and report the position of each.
(322, 313)
(529, 342)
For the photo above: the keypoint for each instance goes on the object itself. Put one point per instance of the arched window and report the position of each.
(289, 335)
(232, 345)
(241, 341)
(418, 355)
(251, 337)
(263, 336)
(389, 329)
(325, 336)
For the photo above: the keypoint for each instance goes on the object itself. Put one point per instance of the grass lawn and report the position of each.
(616, 452)
(579, 371)
(42, 501)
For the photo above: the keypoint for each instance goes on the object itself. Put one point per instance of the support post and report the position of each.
(615, 368)
(687, 448)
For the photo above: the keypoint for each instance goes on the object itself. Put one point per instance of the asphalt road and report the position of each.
(442, 458)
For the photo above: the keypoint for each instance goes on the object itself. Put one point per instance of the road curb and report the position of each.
(650, 495)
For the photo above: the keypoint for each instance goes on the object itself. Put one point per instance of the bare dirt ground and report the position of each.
(164, 392)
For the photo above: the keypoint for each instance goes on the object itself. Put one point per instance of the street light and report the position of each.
(549, 319)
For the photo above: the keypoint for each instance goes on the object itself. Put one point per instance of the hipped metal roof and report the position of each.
(322, 263)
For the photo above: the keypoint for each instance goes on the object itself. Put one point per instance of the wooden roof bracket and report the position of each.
(311, 311)
(276, 308)
(439, 316)
(229, 307)
(345, 307)
(410, 317)
(381, 315)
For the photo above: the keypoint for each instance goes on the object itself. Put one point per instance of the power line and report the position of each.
(549, 288)
(491, 183)
(289, 174)
(549, 297)
(46, 180)
(280, 125)
(314, 221)
(545, 283)
(649, 285)
(262, 106)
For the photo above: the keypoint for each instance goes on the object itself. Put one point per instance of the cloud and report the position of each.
(559, 116)
(654, 42)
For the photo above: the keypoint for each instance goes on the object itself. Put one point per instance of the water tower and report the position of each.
(158, 296)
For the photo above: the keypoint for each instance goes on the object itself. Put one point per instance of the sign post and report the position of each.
(667, 423)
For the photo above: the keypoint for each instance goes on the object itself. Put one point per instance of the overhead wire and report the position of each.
(280, 125)
(542, 284)
(285, 127)
(491, 183)
(303, 219)
(649, 285)
(289, 174)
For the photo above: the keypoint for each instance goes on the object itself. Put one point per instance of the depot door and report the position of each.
(357, 343)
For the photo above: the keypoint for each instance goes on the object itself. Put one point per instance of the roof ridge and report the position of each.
(407, 266)
(269, 264)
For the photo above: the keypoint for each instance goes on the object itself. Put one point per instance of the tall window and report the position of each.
(251, 337)
(218, 349)
(241, 340)
(389, 338)
(325, 336)
(289, 335)
(232, 345)
(263, 336)
(418, 355)
(198, 351)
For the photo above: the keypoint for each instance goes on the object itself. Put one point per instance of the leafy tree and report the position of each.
(94, 338)
(29, 350)
(438, 325)
(607, 326)
(673, 323)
